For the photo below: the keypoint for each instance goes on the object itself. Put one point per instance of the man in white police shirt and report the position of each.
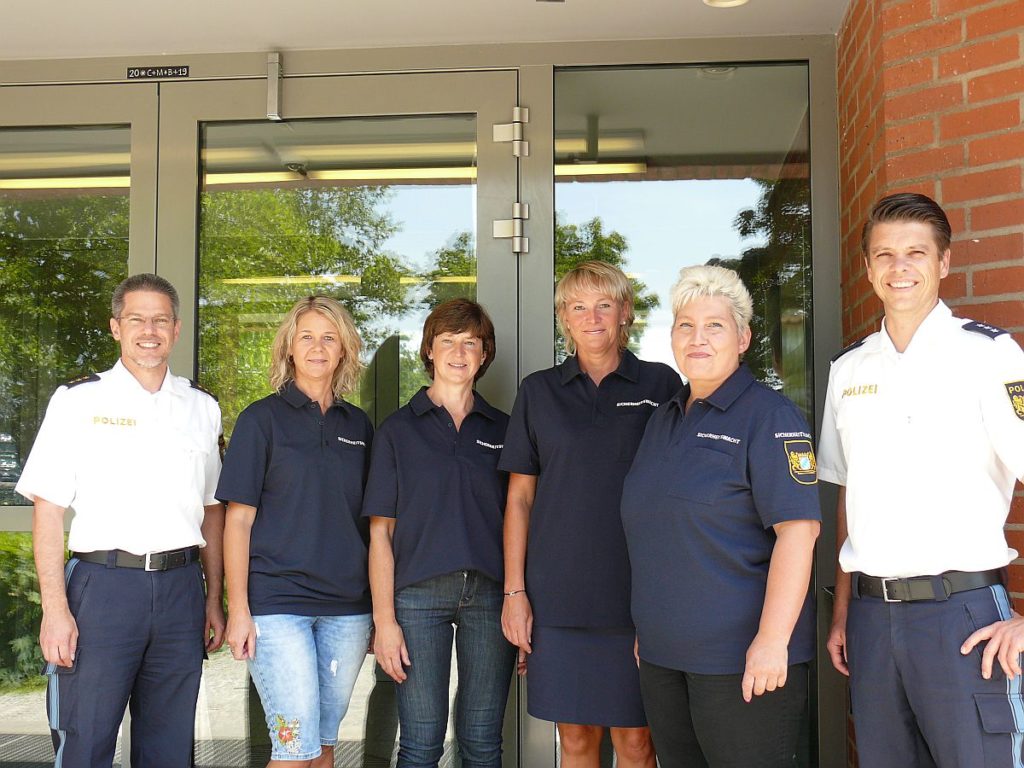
(134, 451)
(924, 430)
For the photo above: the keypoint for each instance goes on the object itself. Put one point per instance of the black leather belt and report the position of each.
(914, 588)
(151, 561)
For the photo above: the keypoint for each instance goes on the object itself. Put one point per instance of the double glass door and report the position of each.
(380, 191)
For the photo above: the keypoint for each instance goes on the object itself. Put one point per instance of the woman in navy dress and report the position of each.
(721, 513)
(573, 433)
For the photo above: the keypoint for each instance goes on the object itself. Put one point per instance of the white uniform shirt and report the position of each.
(137, 467)
(928, 444)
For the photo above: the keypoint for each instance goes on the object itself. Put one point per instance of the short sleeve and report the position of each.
(1002, 404)
(831, 459)
(49, 471)
(783, 469)
(246, 461)
(212, 468)
(381, 496)
(520, 451)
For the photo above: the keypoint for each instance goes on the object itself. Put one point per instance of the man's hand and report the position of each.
(1005, 642)
(214, 633)
(58, 637)
(836, 645)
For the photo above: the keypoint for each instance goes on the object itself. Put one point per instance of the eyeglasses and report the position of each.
(159, 322)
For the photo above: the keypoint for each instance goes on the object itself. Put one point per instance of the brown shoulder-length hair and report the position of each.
(346, 375)
(458, 316)
(594, 277)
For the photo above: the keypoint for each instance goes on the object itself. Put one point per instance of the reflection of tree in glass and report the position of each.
(60, 259)
(576, 243)
(20, 613)
(262, 250)
(777, 273)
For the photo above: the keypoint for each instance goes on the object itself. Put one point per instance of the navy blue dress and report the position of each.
(579, 440)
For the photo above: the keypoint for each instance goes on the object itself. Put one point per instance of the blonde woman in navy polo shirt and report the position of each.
(295, 546)
(435, 500)
(721, 513)
(573, 433)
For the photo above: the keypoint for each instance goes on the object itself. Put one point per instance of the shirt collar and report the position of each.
(125, 378)
(421, 404)
(929, 329)
(726, 394)
(296, 398)
(629, 368)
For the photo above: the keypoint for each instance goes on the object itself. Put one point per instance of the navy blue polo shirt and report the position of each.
(442, 486)
(579, 439)
(706, 486)
(304, 472)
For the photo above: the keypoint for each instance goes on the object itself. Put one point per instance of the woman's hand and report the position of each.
(517, 621)
(389, 648)
(767, 666)
(241, 635)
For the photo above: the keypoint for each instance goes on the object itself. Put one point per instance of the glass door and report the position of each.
(378, 190)
(77, 212)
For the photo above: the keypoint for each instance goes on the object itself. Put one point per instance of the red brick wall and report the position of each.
(930, 100)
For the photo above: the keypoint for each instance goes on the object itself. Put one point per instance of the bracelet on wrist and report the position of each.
(514, 592)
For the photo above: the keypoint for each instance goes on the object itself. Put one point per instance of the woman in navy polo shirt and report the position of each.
(295, 546)
(573, 433)
(721, 512)
(435, 499)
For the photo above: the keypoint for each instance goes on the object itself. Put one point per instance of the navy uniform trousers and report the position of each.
(140, 641)
(917, 701)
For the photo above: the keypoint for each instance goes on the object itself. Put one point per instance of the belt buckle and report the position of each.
(149, 566)
(885, 591)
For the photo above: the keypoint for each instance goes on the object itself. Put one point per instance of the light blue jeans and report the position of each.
(305, 669)
(465, 604)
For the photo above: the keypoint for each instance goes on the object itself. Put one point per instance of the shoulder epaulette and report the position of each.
(82, 380)
(201, 388)
(850, 348)
(984, 329)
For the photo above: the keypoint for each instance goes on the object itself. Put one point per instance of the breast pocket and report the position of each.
(630, 428)
(703, 477)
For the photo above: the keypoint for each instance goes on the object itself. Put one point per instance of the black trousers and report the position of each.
(701, 721)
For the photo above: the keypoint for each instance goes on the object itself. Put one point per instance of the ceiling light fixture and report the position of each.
(725, 3)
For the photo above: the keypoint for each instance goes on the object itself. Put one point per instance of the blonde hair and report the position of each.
(708, 281)
(346, 375)
(594, 277)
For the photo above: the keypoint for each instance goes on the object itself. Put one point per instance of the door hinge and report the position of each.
(513, 228)
(513, 132)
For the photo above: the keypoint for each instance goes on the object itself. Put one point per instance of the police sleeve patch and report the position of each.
(850, 348)
(82, 380)
(1015, 391)
(802, 466)
(201, 388)
(984, 329)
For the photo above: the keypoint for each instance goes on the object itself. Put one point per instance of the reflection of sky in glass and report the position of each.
(428, 219)
(667, 225)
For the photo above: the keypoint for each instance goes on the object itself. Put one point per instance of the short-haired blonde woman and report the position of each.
(435, 499)
(573, 432)
(720, 511)
(295, 544)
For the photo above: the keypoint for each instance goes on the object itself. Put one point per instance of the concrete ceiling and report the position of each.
(49, 29)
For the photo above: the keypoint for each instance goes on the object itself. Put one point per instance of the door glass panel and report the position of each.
(661, 168)
(63, 249)
(665, 167)
(377, 212)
